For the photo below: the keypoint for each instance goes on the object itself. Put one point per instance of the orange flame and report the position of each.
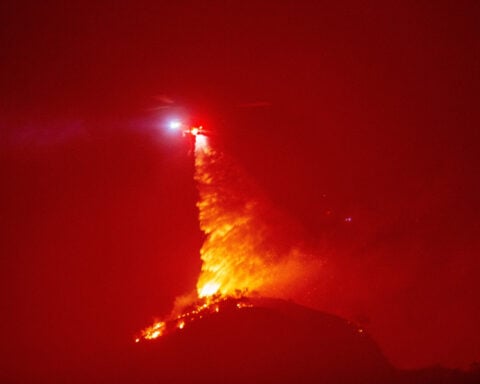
(156, 330)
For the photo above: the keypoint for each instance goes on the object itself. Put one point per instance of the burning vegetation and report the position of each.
(196, 311)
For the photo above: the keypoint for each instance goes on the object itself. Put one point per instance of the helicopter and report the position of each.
(177, 125)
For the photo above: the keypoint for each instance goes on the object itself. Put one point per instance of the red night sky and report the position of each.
(361, 110)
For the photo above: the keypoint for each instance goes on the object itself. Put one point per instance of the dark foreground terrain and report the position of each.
(272, 342)
(264, 341)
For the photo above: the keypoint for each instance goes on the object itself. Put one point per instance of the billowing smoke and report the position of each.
(248, 246)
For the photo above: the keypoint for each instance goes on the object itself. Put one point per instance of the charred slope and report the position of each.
(272, 342)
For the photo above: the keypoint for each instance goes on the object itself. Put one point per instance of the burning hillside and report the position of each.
(244, 251)
(266, 341)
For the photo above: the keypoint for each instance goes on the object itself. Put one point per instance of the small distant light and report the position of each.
(137, 340)
(175, 124)
(348, 219)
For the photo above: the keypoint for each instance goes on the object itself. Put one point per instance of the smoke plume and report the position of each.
(247, 247)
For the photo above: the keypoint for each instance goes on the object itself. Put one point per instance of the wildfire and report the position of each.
(241, 253)
(194, 312)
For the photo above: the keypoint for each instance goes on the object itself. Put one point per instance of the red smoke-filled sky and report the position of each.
(354, 110)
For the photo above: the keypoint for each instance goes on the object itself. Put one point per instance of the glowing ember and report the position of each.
(154, 331)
